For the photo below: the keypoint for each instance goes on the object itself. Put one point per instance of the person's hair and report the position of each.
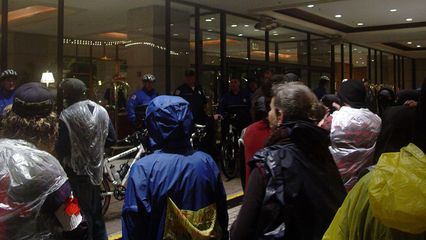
(295, 100)
(40, 131)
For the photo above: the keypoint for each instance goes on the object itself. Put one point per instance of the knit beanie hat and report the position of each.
(353, 93)
(73, 88)
(32, 99)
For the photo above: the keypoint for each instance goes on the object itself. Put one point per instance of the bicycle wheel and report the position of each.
(105, 195)
(229, 157)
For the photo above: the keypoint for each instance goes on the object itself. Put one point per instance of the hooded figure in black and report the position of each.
(294, 188)
(402, 124)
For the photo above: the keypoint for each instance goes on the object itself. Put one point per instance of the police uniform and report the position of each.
(139, 98)
(238, 104)
(197, 100)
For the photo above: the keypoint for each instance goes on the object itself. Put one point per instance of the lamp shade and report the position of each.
(47, 78)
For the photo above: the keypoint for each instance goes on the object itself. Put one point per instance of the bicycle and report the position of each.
(231, 149)
(198, 135)
(118, 178)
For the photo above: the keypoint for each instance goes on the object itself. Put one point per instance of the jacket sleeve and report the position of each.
(222, 106)
(135, 217)
(245, 225)
(131, 106)
(62, 145)
(222, 208)
(112, 137)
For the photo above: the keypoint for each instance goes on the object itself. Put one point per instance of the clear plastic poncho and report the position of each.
(353, 136)
(87, 124)
(27, 177)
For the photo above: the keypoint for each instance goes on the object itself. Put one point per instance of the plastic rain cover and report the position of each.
(87, 124)
(353, 138)
(27, 177)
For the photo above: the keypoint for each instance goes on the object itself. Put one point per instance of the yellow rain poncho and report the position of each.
(387, 203)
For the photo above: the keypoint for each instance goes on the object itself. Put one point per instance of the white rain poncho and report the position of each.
(87, 124)
(27, 177)
(353, 138)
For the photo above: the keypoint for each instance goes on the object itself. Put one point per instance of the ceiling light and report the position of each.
(234, 25)
(209, 38)
(338, 16)
(419, 46)
(212, 18)
(356, 61)
(171, 24)
(292, 37)
(275, 34)
(409, 19)
(311, 6)
(246, 25)
(354, 49)
(360, 24)
(409, 43)
(393, 10)
(175, 34)
(288, 50)
(256, 30)
(28, 12)
(115, 35)
(363, 62)
(209, 30)
(208, 20)
(240, 35)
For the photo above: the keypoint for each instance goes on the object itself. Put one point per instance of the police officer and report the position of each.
(139, 101)
(236, 101)
(8, 80)
(194, 94)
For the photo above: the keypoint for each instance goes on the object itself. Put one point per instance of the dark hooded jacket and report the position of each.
(174, 171)
(295, 184)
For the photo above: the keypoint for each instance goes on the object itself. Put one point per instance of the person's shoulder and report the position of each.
(180, 89)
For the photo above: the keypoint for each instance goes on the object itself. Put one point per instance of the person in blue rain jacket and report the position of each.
(172, 173)
(8, 80)
(140, 99)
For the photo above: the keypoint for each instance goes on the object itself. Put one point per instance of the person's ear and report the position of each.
(280, 116)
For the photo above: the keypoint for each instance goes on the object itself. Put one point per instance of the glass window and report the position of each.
(124, 41)
(408, 73)
(346, 63)
(359, 62)
(210, 27)
(257, 50)
(388, 70)
(292, 45)
(379, 68)
(373, 67)
(182, 37)
(272, 51)
(32, 44)
(320, 51)
(238, 29)
(338, 66)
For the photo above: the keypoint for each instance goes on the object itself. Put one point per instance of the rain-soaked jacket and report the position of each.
(27, 177)
(172, 187)
(389, 203)
(301, 191)
(87, 124)
(353, 136)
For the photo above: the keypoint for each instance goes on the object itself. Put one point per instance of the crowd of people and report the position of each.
(317, 165)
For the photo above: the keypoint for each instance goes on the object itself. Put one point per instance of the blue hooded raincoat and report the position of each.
(189, 178)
